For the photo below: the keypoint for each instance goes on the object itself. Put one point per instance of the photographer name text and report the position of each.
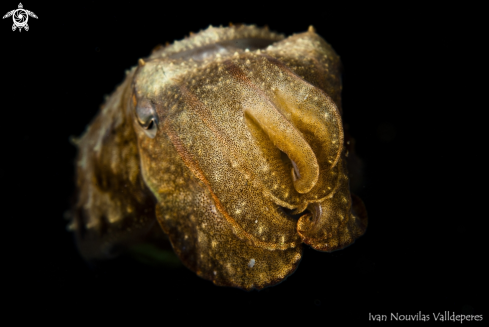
(435, 316)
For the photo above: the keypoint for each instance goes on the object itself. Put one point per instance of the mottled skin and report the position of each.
(246, 162)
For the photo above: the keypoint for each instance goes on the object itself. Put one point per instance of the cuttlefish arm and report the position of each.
(223, 139)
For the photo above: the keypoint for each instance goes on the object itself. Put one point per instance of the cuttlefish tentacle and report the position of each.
(282, 133)
(332, 143)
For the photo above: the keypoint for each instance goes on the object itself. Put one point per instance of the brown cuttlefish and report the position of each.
(231, 142)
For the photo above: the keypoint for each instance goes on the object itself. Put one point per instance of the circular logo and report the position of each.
(20, 17)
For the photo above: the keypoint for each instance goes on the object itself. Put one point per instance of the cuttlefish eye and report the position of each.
(146, 117)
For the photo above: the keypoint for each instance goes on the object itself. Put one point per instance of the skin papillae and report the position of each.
(231, 142)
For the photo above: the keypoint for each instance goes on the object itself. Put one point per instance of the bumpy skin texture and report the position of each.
(247, 123)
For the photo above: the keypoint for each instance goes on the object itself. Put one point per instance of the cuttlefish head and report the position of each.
(242, 144)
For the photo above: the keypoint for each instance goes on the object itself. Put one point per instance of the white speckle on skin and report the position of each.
(251, 264)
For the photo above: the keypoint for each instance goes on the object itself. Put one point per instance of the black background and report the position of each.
(404, 103)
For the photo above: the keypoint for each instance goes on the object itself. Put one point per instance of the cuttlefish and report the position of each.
(230, 144)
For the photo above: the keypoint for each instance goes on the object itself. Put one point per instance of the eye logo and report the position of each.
(20, 17)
